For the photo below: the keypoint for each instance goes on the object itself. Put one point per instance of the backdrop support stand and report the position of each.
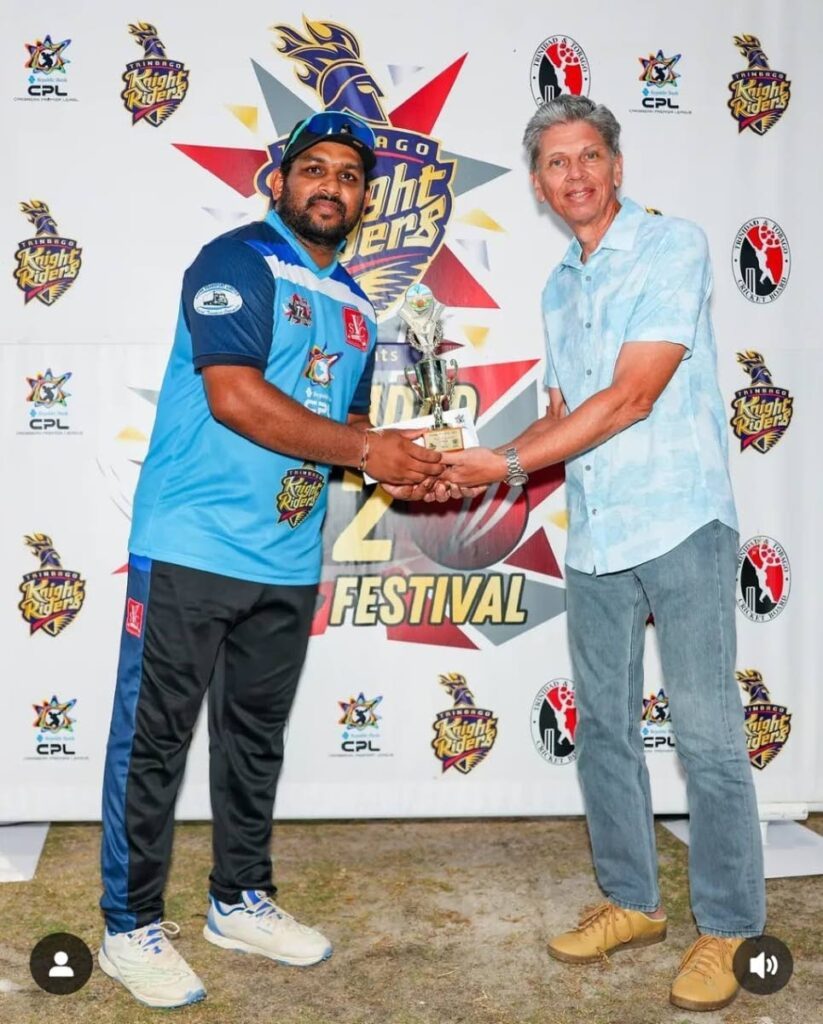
(789, 848)
(20, 849)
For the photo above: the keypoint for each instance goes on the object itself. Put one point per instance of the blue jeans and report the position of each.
(690, 591)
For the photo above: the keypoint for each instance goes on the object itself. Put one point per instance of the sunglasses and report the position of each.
(333, 122)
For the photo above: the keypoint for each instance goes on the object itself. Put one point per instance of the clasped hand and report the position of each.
(460, 474)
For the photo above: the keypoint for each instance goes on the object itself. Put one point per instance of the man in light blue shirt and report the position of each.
(644, 490)
(636, 414)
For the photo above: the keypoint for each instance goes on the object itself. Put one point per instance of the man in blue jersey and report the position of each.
(636, 414)
(267, 386)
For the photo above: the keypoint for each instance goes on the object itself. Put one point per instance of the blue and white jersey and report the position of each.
(209, 498)
(640, 493)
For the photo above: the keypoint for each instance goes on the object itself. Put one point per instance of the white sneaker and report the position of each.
(258, 925)
(150, 967)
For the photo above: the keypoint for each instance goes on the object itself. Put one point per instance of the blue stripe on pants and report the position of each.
(115, 846)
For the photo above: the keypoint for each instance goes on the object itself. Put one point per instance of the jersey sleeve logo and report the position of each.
(217, 299)
(356, 328)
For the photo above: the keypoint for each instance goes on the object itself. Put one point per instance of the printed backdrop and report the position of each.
(438, 680)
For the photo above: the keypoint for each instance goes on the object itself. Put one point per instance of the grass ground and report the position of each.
(433, 921)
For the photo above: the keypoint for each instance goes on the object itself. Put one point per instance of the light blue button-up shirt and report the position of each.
(642, 492)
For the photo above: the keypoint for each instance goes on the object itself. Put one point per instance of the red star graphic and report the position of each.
(446, 275)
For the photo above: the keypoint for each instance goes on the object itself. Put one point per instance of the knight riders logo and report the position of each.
(761, 260)
(156, 86)
(767, 725)
(760, 96)
(762, 413)
(52, 596)
(411, 199)
(47, 265)
(465, 733)
(301, 489)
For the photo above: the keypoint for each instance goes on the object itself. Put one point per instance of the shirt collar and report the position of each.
(276, 221)
(620, 235)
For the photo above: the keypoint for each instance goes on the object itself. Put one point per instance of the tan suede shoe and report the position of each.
(705, 980)
(605, 930)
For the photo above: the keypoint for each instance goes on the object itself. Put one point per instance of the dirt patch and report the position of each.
(432, 921)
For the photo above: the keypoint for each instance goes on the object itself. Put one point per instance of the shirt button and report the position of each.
(588, 467)
(594, 511)
(588, 277)
(588, 324)
(588, 373)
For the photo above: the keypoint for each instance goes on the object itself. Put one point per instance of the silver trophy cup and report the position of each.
(432, 379)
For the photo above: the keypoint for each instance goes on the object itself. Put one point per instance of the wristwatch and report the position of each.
(517, 476)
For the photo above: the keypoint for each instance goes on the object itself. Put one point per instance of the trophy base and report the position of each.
(445, 439)
(457, 420)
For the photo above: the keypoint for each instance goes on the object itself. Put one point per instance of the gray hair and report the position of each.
(564, 110)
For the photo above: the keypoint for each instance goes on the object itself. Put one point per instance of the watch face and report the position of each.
(516, 479)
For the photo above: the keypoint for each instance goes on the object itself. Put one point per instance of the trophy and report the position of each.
(431, 379)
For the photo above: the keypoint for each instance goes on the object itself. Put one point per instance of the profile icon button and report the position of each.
(61, 963)
(763, 965)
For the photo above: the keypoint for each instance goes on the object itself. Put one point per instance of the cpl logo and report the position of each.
(47, 423)
(47, 58)
(48, 396)
(46, 90)
(360, 721)
(359, 747)
(659, 81)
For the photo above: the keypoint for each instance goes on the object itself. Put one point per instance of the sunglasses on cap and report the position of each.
(332, 126)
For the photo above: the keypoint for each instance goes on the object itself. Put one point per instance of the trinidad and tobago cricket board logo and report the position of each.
(761, 413)
(767, 724)
(559, 67)
(763, 579)
(47, 265)
(760, 95)
(554, 721)
(155, 86)
(464, 734)
(761, 260)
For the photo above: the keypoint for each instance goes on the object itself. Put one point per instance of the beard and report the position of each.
(312, 229)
